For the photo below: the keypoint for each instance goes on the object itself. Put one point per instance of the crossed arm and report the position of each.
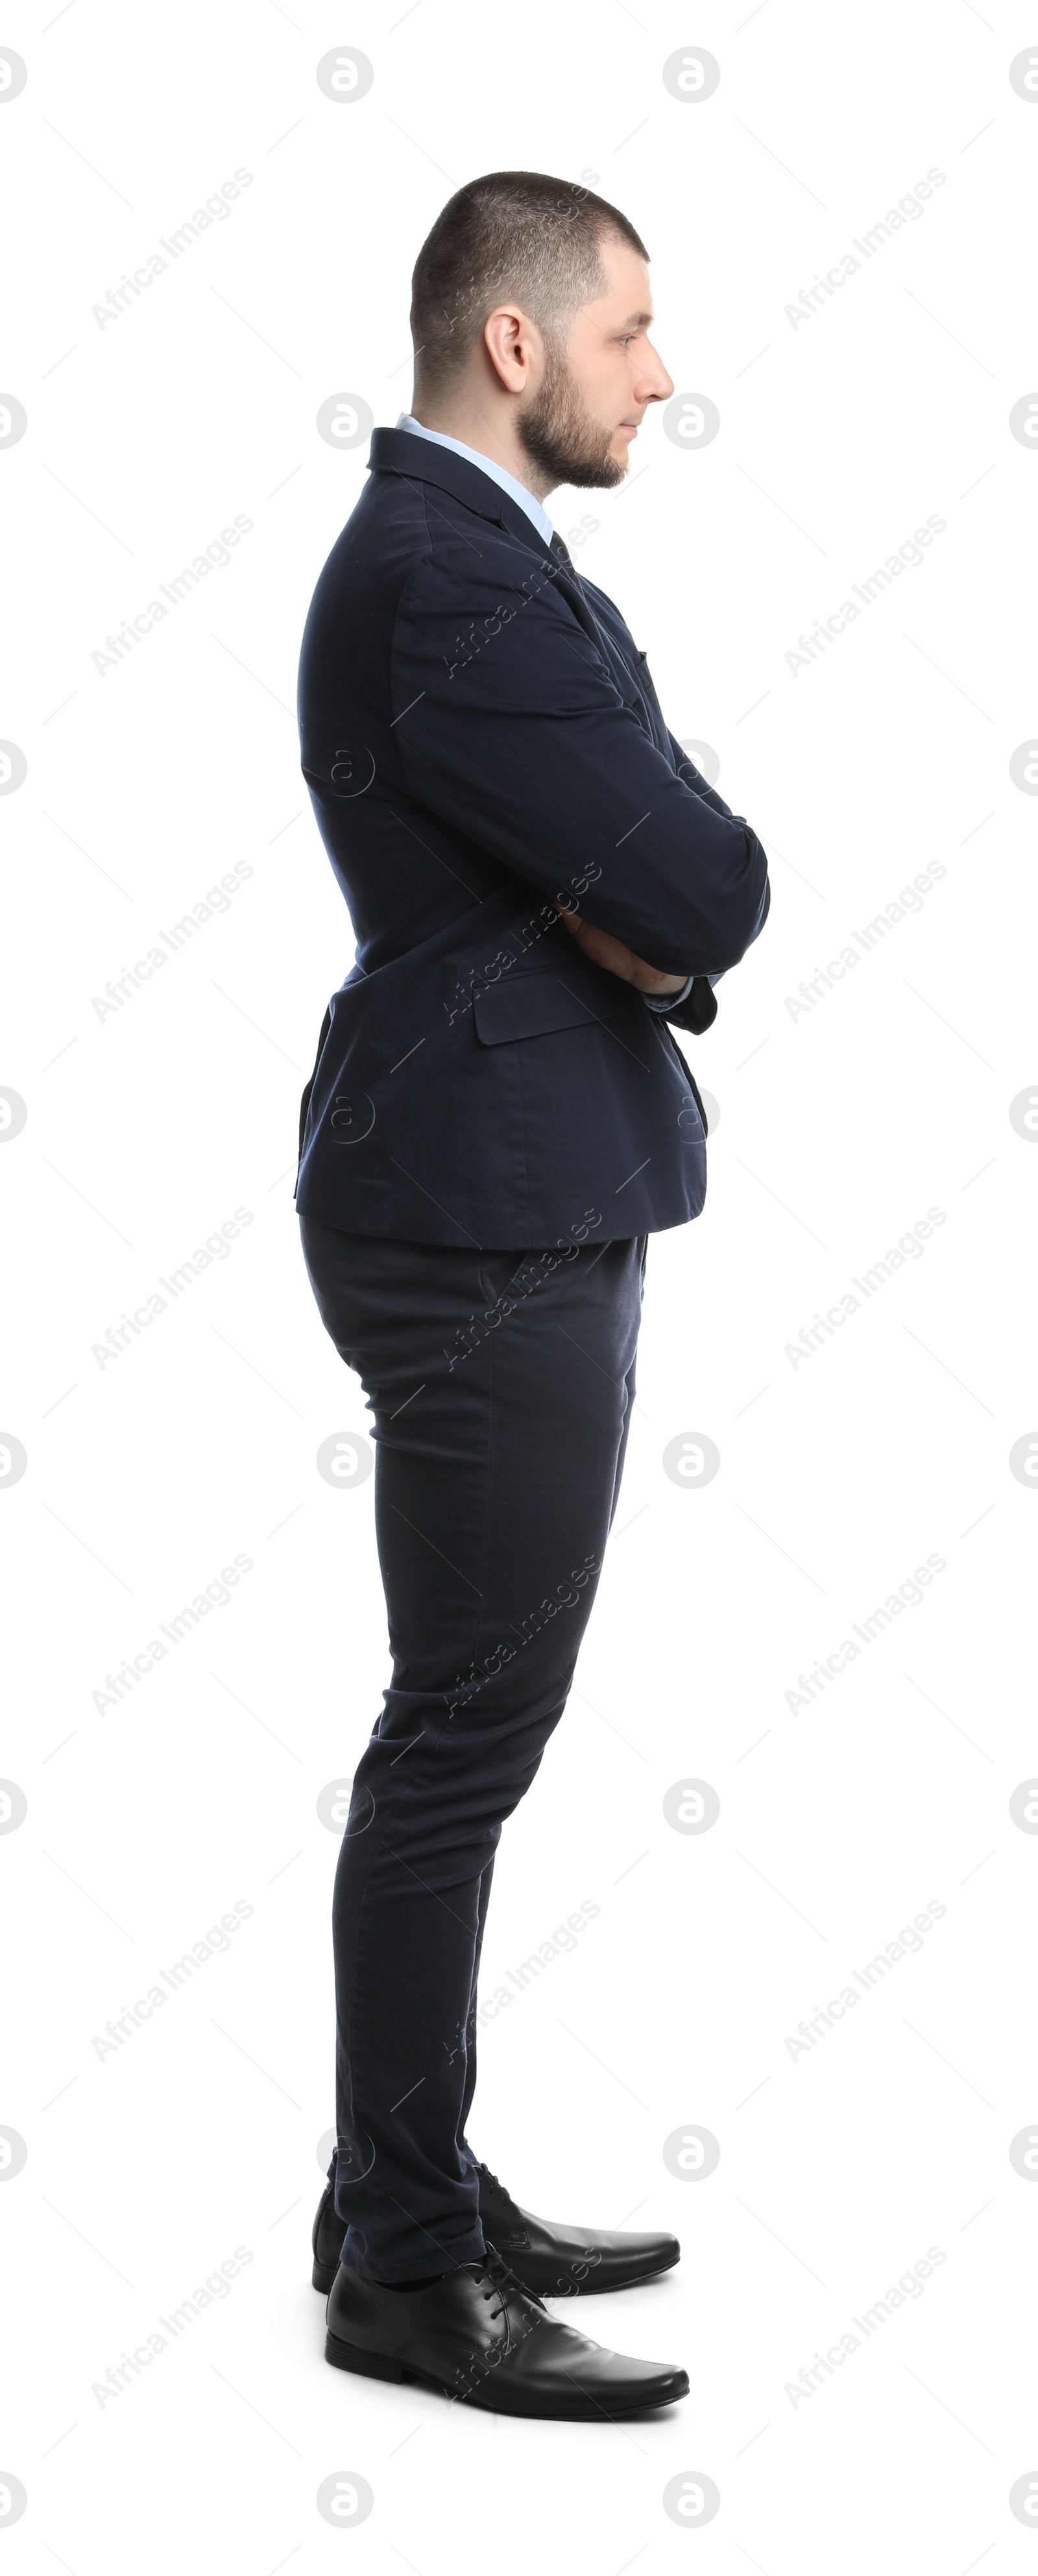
(658, 988)
(611, 953)
(526, 742)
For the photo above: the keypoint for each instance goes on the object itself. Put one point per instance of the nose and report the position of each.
(654, 384)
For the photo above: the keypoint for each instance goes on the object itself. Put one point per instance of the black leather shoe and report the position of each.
(564, 2262)
(477, 2335)
(553, 2262)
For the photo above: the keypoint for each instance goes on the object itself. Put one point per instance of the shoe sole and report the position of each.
(323, 2277)
(372, 2365)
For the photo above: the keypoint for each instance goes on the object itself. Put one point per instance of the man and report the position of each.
(498, 1118)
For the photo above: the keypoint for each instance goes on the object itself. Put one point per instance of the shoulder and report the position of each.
(482, 569)
(607, 611)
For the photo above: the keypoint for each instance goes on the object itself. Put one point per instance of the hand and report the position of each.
(618, 960)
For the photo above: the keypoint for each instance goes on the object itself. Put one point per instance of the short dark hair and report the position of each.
(515, 232)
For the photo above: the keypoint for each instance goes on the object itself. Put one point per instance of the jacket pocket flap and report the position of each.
(562, 997)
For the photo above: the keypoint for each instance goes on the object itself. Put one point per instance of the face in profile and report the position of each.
(599, 376)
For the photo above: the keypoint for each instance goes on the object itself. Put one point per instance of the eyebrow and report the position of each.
(632, 318)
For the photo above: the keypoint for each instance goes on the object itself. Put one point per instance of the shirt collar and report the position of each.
(487, 465)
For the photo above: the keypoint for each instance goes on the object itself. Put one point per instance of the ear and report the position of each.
(512, 343)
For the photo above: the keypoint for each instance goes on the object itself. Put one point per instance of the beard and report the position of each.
(560, 435)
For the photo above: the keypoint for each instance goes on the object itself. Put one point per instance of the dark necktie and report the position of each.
(562, 555)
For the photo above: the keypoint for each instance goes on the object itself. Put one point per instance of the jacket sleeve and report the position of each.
(653, 1002)
(697, 1009)
(686, 769)
(512, 725)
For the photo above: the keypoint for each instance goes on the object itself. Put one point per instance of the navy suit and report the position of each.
(493, 1128)
(483, 744)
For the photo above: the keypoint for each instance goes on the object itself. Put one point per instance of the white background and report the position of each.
(838, 1130)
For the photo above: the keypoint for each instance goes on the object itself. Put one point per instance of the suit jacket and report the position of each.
(484, 746)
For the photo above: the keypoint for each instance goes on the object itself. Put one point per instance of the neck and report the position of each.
(490, 436)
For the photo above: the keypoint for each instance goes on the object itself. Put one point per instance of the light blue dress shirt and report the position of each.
(487, 465)
(527, 501)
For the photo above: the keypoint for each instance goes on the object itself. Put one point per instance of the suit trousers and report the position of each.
(500, 1385)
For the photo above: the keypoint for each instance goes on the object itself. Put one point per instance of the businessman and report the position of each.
(540, 884)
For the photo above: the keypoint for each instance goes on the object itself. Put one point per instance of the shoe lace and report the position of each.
(496, 2281)
(498, 2186)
